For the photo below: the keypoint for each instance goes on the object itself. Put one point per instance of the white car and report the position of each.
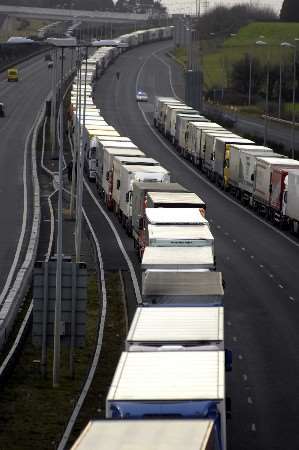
(141, 96)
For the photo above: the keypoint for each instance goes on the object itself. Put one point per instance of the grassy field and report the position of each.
(217, 63)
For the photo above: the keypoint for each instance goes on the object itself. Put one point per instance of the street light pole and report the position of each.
(56, 356)
(280, 82)
(250, 79)
(294, 104)
(80, 163)
(263, 43)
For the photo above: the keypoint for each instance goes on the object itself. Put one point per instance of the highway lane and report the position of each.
(259, 265)
(22, 101)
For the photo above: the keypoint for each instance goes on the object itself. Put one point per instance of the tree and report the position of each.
(240, 75)
(289, 11)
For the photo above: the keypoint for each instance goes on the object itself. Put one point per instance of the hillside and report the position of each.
(217, 63)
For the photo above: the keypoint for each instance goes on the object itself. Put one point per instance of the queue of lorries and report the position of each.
(168, 390)
(260, 178)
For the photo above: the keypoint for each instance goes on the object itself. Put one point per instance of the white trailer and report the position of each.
(139, 201)
(262, 181)
(178, 258)
(123, 143)
(160, 108)
(174, 216)
(193, 139)
(220, 152)
(109, 156)
(182, 121)
(181, 328)
(182, 288)
(175, 199)
(186, 384)
(292, 207)
(179, 236)
(173, 121)
(170, 112)
(207, 147)
(149, 434)
(118, 162)
(128, 175)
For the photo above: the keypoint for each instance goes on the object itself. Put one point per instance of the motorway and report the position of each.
(260, 266)
(22, 102)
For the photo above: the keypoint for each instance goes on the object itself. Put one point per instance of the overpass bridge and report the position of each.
(71, 14)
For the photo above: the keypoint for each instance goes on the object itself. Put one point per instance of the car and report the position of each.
(141, 96)
(50, 64)
(2, 111)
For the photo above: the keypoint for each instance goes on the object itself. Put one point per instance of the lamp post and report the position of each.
(294, 47)
(263, 44)
(250, 79)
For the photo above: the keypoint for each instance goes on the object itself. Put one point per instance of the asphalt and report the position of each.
(22, 100)
(260, 267)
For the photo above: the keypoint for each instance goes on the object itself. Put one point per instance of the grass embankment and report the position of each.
(218, 60)
(32, 413)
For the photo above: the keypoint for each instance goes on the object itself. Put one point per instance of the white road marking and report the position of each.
(243, 249)
(229, 324)
(24, 220)
(235, 339)
(244, 376)
(261, 266)
(280, 286)
(119, 241)
(292, 298)
(249, 399)
(253, 427)
(271, 275)
(240, 357)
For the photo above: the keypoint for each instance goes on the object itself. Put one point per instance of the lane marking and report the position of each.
(250, 402)
(240, 357)
(253, 427)
(244, 376)
(119, 241)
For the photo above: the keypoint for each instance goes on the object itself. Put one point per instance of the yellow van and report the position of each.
(12, 75)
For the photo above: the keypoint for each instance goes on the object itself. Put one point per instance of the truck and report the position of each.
(121, 143)
(187, 384)
(279, 196)
(180, 328)
(220, 149)
(176, 200)
(292, 207)
(169, 110)
(208, 149)
(193, 139)
(182, 288)
(182, 121)
(262, 181)
(90, 155)
(109, 156)
(139, 202)
(128, 175)
(116, 171)
(173, 121)
(245, 172)
(160, 107)
(178, 258)
(149, 434)
(232, 171)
